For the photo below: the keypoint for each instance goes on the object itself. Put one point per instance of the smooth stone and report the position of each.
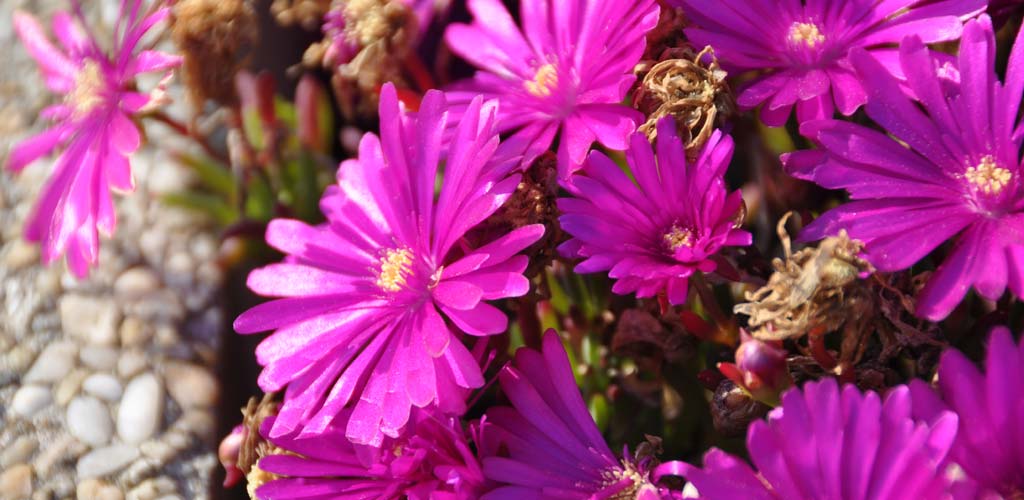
(104, 461)
(130, 363)
(135, 332)
(89, 421)
(19, 451)
(16, 482)
(138, 416)
(190, 385)
(69, 387)
(98, 357)
(20, 254)
(53, 363)
(95, 489)
(136, 282)
(91, 319)
(103, 386)
(29, 399)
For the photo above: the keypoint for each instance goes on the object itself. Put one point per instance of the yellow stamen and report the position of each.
(88, 89)
(678, 237)
(988, 177)
(394, 265)
(544, 82)
(806, 34)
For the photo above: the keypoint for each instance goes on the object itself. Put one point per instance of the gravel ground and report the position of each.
(107, 386)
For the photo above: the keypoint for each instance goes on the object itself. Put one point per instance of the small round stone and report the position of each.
(135, 283)
(104, 461)
(135, 332)
(92, 319)
(29, 399)
(138, 417)
(16, 482)
(19, 254)
(98, 357)
(190, 385)
(95, 489)
(103, 386)
(69, 386)
(53, 363)
(19, 451)
(130, 363)
(89, 421)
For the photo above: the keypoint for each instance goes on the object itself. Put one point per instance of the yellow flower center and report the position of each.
(988, 177)
(678, 237)
(544, 82)
(88, 90)
(394, 266)
(805, 34)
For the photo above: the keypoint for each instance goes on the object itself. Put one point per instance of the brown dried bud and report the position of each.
(254, 447)
(691, 88)
(732, 409)
(212, 35)
(817, 288)
(305, 13)
(366, 44)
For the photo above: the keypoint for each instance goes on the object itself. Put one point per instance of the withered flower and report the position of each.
(305, 13)
(733, 409)
(253, 446)
(815, 289)
(691, 88)
(212, 36)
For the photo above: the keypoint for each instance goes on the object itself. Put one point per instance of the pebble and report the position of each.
(130, 363)
(95, 489)
(150, 489)
(103, 386)
(53, 364)
(91, 319)
(104, 461)
(98, 357)
(55, 452)
(17, 452)
(89, 421)
(30, 399)
(190, 385)
(20, 254)
(138, 416)
(16, 482)
(135, 332)
(136, 282)
(69, 386)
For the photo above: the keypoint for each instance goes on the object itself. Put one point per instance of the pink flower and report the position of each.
(567, 69)
(803, 46)
(547, 446)
(93, 125)
(372, 305)
(653, 233)
(433, 460)
(950, 168)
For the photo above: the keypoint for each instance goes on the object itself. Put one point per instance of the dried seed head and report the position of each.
(732, 409)
(365, 44)
(212, 36)
(691, 88)
(813, 289)
(254, 447)
(305, 13)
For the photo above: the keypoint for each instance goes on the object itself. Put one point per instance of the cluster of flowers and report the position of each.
(382, 314)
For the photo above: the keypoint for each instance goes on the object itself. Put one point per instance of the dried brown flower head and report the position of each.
(732, 409)
(305, 13)
(366, 44)
(813, 289)
(689, 87)
(212, 35)
(254, 446)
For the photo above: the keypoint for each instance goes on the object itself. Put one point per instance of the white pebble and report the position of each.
(104, 461)
(98, 357)
(53, 363)
(190, 385)
(89, 421)
(91, 319)
(30, 399)
(103, 386)
(138, 417)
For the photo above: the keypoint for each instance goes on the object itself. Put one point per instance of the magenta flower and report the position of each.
(989, 447)
(802, 47)
(824, 443)
(959, 175)
(548, 446)
(93, 125)
(568, 69)
(372, 303)
(432, 460)
(651, 235)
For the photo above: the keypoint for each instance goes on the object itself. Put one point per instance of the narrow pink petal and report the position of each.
(34, 147)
